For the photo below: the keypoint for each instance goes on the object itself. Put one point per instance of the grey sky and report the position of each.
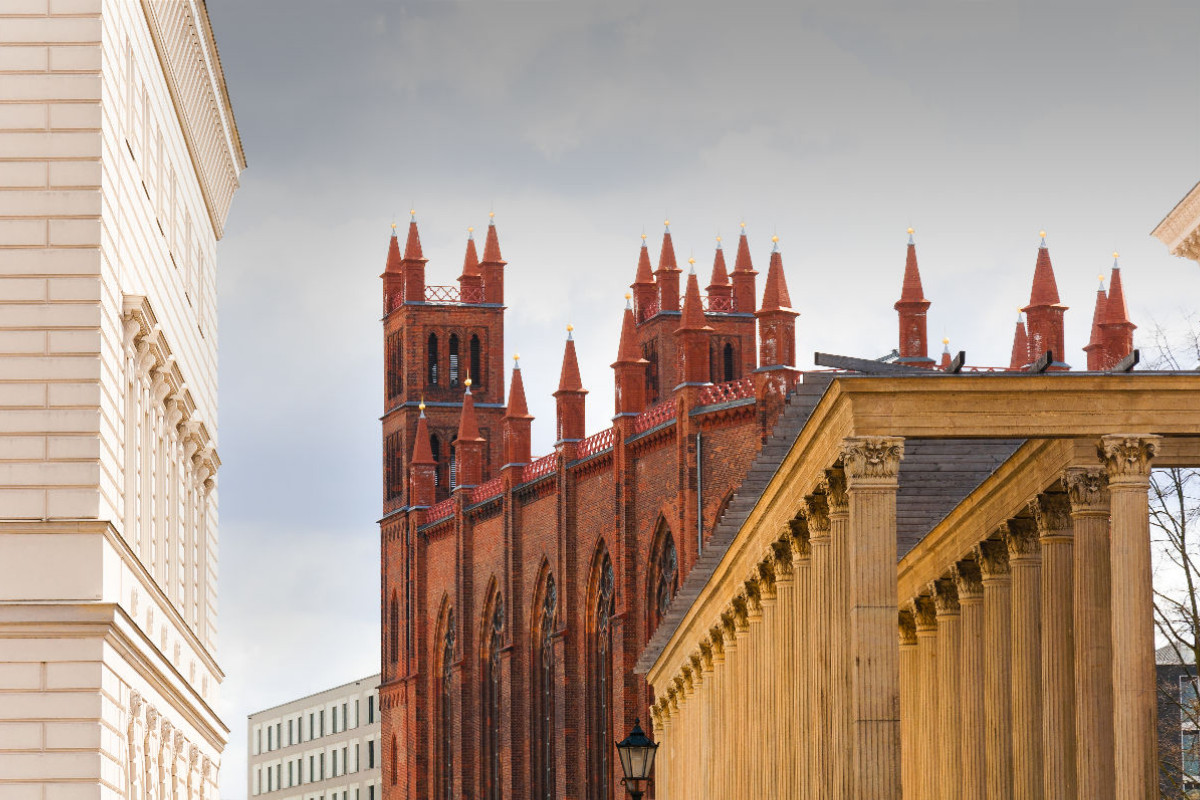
(581, 123)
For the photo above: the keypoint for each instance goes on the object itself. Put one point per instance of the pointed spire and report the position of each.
(569, 380)
(666, 256)
(393, 256)
(468, 427)
(491, 247)
(1099, 316)
(412, 247)
(720, 278)
(945, 365)
(775, 295)
(1045, 289)
(628, 352)
(693, 309)
(422, 453)
(517, 407)
(911, 291)
(742, 262)
(645, 275)
(471, 259)
(1020, 349)
(1116, 312)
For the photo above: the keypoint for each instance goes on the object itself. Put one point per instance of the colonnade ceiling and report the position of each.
(977, 449)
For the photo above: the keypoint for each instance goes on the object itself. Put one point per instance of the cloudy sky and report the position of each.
(583, 124)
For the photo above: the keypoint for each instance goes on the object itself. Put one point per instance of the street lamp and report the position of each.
(637, 759)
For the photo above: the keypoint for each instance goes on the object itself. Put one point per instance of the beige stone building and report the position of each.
(119, 157)
(1180, 230)
(944, 591)
(324, 746)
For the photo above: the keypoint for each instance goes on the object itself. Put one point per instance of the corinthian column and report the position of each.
(1052, 513)
(925, 616)
(768, 671)
(786, 676)
(817, 514)
(841, 707)
(1134, 700)
(716, 687)
(756, 763)
(741, 712)
(997, 667)
(1087, 489)
(909, 703)
(949, 725)
(802, 668)
(872, 467)
(1025, 558)
(969, 583)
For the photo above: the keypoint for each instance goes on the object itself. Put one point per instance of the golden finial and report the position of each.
(643, 237)
(775, 239)
(946, 340)
(1042, 234)
(570, 328)
(467, 383)
(393, 227)
(743, 226)
(516, 356)
(470, 229)
(666, 223)
(491, 215)
(1100, 278)
(412, 212)
(421, 405)
(628, 295)
(691, 260)
(910, 230)
(1116, 254)
(718, 240)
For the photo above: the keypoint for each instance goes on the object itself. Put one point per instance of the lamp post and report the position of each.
(637, 759)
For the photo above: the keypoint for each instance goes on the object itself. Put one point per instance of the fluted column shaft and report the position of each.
(949, 724)
(997, 667)
(841, 721)
(872, 466)
(720, 679)
(927, 698)
(971, 671)
(767, 706)
(910, 707)
(1026, 559)
(741, 737)
(755, 733)
(1128, 460)
(819, 634)
(1052, 512)
(1087, 490)
(802, 667)
(787, 676)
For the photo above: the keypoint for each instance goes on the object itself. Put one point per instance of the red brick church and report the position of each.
(519, 591)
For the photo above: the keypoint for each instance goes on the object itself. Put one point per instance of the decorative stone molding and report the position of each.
(872, 459)
(1180, 229)
(924, 611)
(1021, 536)
(908, 629)
(992, 557)
(945, 597)
(968, 580)
(1128, 457)
(1052, 513)
(1087, 490)
(834, 486)
(816, 513)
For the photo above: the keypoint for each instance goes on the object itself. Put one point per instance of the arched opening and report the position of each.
(454, 359)
(600, 682)
(394, 630)
(431, 352)
(445, 706)
(650, 353)
(476, 373)
(453, 469)
(493, 630)
(544, 669)
(663, 577)
(727, 362)
(395, 765)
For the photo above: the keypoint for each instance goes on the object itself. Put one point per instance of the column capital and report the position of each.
(729, 622)
(1021, 536)
(781, 554)
(945, 597)
(1052, 513)
(816, 512)
(716, 642)
(741, 613)
(798, 539)
(1087, 490)
(908, 629)
(992, 557)
(834, 484)
(1127, 457)
(700, 661)
(924, 611)
(766, 580)
(968, 580)
(872, 460)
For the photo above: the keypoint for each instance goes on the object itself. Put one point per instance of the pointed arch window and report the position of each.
(454, 359)
(476, 361)
(445, 712)
(544, 669)
(600, 687)
(394, 630)
(431, 354)
(650, 353)
(493, 643)
(727, 362)
(664, 578)
(395, 765)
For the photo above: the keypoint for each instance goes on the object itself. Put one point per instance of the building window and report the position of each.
(291, 775)
(394, 629)
(321, 718)
(432, 360)
(1190, 753)
(312, 726)
(357, 713)
(371, 754)
(600, 687)
(371, 709)
(345, 758)
(395, 762)
(270, 737)
(543, 694)
(650, 353)
(454, 359)
(257, 741)
(357, 757)
(290, 733)
(333, 763)
(491, 700)
(476, 373)
(664, 578)
(345, 716)
(258, 780)
(446, 713)
(395, 365)
(321, 764)
(727, 361)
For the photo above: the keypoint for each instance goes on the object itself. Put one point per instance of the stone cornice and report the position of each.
(1180, 229)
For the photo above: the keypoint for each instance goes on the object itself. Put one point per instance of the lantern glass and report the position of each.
(637, 754)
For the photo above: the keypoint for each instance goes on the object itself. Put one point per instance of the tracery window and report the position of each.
(600, 687)
(664, 578)
(543, 694)
(491, 700)
(432, 360)
(446, 713)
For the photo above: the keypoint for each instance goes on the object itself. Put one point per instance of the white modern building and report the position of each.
(119, 157)
(321, 747)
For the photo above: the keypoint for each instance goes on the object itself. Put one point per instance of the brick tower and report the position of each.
(435, 338)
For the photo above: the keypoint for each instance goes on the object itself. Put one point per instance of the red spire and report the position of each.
(911, 292)
(491, 247)
(1045, 289)
(742, 263)
(569, 380)
(1095, 345)
(945, 365)
(468, 428)
(645, 274)
(720, 278)
(629, 352)
(517, 407)
(422, 453)
(666, 256)
(775, 295)
(412, 247)
(471, 260)
(393, 256)
(1020, 349)
(1115, 312)
(693, 310)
